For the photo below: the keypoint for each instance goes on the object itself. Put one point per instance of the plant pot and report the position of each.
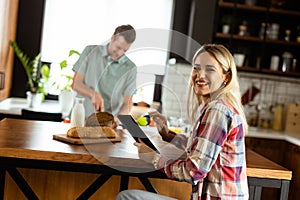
(225, 28)
(239, 59)
(34, 100)
(66, 101)
(250, 2)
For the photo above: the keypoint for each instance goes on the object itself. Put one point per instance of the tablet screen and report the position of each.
(135, 131)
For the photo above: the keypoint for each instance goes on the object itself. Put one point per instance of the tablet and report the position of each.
(135, 131)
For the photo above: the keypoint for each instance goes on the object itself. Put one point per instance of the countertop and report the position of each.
(293, 138)
(14, 106)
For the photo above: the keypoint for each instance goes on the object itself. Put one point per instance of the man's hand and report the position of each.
(97, 101)
(79, 86)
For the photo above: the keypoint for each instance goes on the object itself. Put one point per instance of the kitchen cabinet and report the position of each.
(247, 36)
(283, 153)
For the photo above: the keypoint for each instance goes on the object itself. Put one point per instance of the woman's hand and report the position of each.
(145, 153)
(161, 124)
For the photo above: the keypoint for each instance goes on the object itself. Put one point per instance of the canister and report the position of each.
(287, 61)
(274, 62)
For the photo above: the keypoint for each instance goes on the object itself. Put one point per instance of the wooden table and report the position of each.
(30, 144)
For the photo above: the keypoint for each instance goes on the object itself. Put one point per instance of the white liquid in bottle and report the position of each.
(77, 115)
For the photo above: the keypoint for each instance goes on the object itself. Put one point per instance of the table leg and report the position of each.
(124, 182)
(2, 181)
(251, 192)
(284, 191)
(147, 184)
(257, 193)
(22, 184)
(94, 186)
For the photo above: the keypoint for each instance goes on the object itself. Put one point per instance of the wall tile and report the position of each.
(273, 89)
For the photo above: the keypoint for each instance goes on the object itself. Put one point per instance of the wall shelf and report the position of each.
(256, 45)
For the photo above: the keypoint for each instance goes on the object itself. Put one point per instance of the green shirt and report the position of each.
(112, 79)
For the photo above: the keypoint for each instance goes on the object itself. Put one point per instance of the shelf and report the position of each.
(256, 47)
(284, 12)
(242, 6)
(292, 74)
(258, 8)
(238, 37)
(248, 69)
(257, 39)
(268, 71)
(283, 42)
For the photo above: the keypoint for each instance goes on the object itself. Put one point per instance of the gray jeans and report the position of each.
(141, 195)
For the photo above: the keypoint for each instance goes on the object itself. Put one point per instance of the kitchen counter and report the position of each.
(293, 138)
(14, 106)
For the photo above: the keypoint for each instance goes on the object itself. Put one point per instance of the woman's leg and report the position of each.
(140, 195)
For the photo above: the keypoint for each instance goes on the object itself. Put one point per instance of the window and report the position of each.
(73, 24)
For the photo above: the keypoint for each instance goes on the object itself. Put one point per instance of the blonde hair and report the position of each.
(229, 92)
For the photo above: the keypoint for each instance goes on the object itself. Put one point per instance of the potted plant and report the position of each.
(65, 82)
(37, 76)
(226, 23)
(64, 85)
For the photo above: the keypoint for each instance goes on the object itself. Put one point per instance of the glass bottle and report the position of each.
(262, 30)
(287, 35)
(298, 34)
(78, 113)
(278, 118)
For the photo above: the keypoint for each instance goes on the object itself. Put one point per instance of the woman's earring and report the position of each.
(224, 82)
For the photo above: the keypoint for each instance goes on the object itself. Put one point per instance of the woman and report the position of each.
(215, 164)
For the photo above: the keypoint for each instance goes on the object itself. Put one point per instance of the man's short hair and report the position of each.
(127, 31)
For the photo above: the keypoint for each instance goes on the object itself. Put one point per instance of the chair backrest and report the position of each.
(43, 116)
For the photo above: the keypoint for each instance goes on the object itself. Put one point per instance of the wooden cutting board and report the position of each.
(65, 138)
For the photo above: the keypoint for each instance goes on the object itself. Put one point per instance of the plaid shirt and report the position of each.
(215, 163)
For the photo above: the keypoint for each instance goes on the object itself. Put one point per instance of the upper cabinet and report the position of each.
(263, 35)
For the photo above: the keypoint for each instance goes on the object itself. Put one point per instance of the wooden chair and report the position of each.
(43, 116)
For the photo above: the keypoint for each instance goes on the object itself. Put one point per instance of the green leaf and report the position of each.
(73, 52)
(45, 71)
(63, 64)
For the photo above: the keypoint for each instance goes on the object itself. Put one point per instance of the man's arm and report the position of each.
(79, 86)
(127, 105)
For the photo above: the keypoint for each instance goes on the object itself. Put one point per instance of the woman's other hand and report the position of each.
(145, 153)
(161, 123)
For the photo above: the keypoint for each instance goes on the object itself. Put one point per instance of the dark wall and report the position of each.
(195, 19)
(182, 11)
(28, 37)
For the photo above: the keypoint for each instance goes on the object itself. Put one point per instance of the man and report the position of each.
(105, 76)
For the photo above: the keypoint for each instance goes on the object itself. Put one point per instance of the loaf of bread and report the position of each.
(100, 119)
(91, 132)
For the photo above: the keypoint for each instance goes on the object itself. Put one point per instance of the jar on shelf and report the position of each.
(287, 35)
(287, 61)
(298, 34)
(243, 29)
(274, 62)
(262, 30)
(250, 2)
(273, 31)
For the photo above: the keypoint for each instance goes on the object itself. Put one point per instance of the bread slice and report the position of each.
(91, 132)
